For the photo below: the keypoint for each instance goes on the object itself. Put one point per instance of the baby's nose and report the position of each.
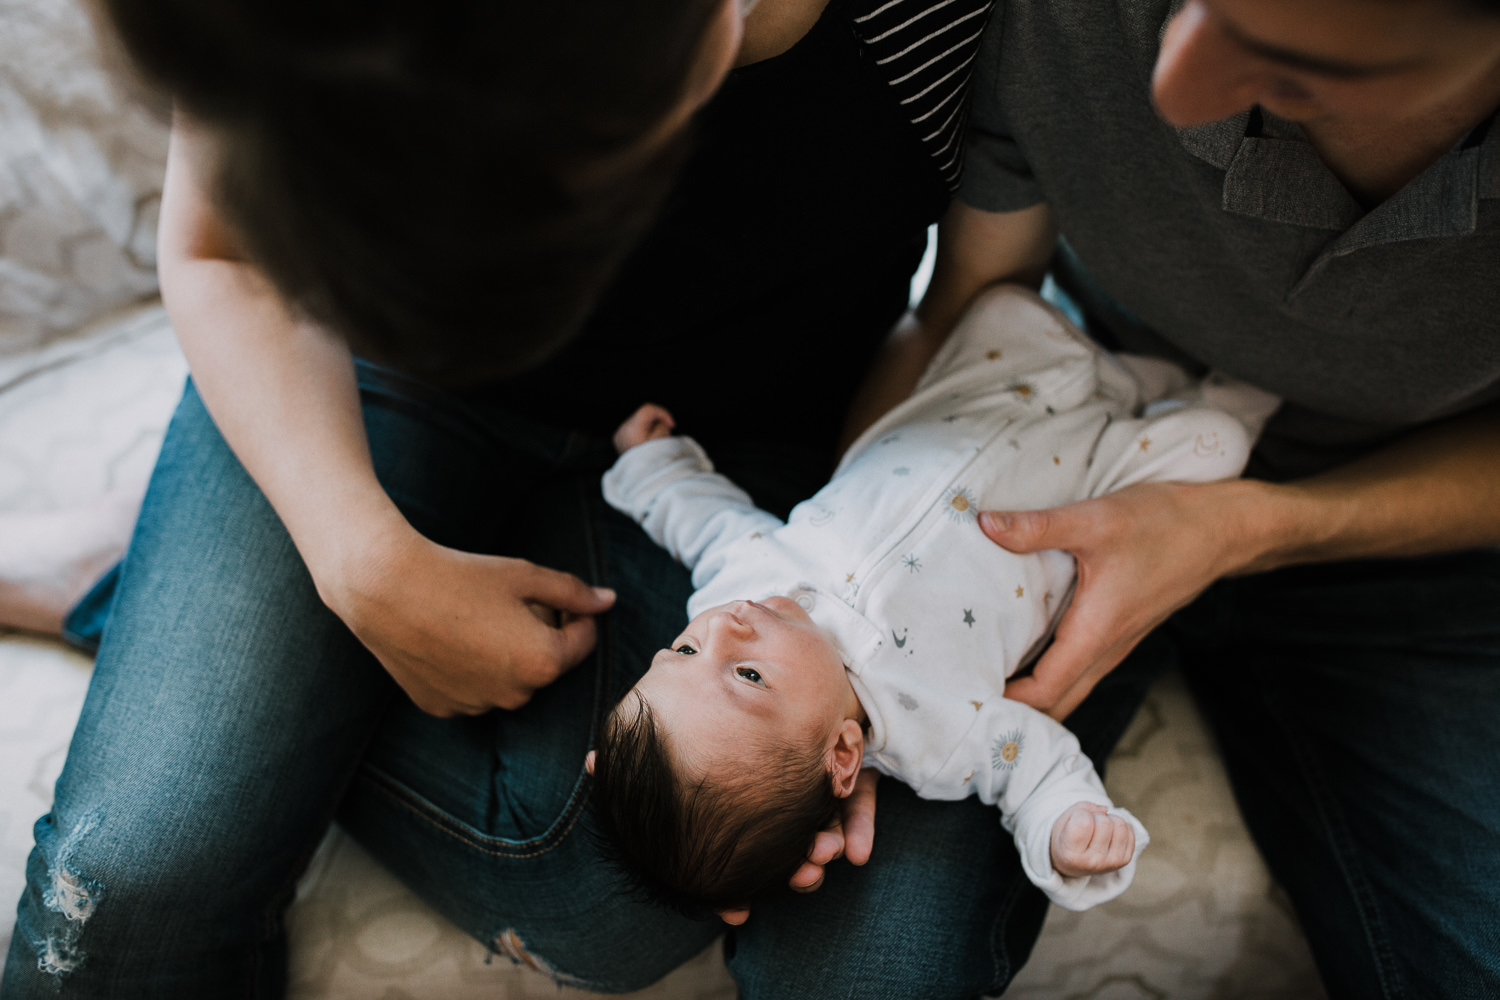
(734, 624)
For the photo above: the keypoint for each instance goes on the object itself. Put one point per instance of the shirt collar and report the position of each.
(1276, 175)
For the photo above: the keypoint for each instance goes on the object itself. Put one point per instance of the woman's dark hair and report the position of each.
(703, 846)
(445, 183)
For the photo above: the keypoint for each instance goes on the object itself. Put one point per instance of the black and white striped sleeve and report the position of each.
(925, 49)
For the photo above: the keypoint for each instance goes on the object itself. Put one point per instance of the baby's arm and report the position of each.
(1050, 798)
(668, 485)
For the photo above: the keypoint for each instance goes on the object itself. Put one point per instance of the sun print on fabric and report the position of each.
(961, 504)
(1006, 750)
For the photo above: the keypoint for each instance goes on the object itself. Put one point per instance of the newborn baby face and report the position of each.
(747, 674)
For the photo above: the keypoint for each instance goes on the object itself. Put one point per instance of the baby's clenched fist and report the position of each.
(646, 424)
(1086, 840)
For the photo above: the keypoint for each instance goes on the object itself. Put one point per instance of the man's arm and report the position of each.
(975, 250)
(1150, 549)
(282, 392)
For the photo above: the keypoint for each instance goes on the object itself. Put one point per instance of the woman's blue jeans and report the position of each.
(231, 717)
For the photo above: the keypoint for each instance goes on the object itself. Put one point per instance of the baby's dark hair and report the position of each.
(700, 846)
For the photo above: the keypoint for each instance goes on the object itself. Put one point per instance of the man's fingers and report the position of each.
(1052, 686)
(1078, 658)
(852, 835)
(735, 916)
(859, 818)
(827, 846)
(1026, 530)
(808, 878)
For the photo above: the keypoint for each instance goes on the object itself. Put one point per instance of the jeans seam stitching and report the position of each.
(444, 823)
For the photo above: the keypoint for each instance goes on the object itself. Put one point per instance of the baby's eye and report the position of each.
(750, 674)
(685, 649)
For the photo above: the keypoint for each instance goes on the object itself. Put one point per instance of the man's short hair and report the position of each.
(700, 845)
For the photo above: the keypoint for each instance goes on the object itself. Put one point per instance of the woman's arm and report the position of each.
(975, 250)
(282, 391)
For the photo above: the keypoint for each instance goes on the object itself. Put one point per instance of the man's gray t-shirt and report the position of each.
(1230, 245)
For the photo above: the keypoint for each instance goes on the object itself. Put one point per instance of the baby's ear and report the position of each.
(588, 762)
(845, 757)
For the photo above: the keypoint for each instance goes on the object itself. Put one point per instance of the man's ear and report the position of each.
(845, 757)
(588, 762)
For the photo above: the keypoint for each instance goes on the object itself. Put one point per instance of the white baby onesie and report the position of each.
(1018, 411)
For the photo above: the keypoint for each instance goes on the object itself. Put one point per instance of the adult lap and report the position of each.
(1355, 703)
(219, 680)
(230, 709)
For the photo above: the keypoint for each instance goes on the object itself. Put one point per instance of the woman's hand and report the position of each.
(851, 836)
(464, 633)
(1141, 553)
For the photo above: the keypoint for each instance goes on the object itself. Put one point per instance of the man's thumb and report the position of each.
(1019, 531)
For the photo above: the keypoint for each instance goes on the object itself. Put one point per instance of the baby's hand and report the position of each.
(1086, 840)
(646, 424)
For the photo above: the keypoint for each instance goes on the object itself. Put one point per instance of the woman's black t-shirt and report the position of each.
(779, 262)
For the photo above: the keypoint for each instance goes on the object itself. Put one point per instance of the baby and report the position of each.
(877, 626)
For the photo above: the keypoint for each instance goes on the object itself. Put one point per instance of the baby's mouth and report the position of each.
(762, 608)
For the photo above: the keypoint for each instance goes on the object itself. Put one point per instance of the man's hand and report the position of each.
(646, 424)
(1086, 840)
(851, 836)
(464, 633)
(1142, 553)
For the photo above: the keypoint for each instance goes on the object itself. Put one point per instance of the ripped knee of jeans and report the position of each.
(509, 944)
(73, 896)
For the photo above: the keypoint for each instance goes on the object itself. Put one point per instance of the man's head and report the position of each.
(445, 183)
(1356, 63)
(713, 776)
